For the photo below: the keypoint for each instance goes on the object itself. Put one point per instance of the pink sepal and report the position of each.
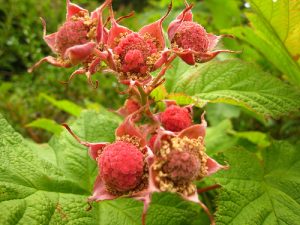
(73, 9)
(100, 30)
(162, 134)
(79, 53)
(185, 15)
(214, 40)
(129, 128)
(186, 55)
(164, 56)
(53, 61)
(195, 131)
(50, 38)
(204, 57)
(155, 30)
(95, 148)
(100, 193)
(115, 31)
(213, 166)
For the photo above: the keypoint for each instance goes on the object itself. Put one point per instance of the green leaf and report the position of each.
(64, 105)
(160, 93)
(256, 137)
(36, 191)
(120, 211)
(224, 13)
(72, 157)
(216, 113)
(178, 68)
(284, 18)
(218, 139)
(46, 124)
(170, 209)
(238, 83)
(260, 192)
(275, 32)
(183, 99)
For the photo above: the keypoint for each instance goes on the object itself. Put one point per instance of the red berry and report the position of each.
(191, 35)
(121, 166)
(175, 118)
(134, 51)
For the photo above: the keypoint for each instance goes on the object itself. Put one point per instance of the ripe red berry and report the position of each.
(121, 166)
(175, 118)
(134, 52)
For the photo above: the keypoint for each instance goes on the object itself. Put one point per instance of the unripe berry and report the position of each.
(182, 166)
(70, 34)
(121, 166)
(175, 118)
(191, 35)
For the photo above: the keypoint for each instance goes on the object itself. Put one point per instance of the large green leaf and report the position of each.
(275, 32)
(235, 82)
(260, 191)
(38, 191)
(49, 183)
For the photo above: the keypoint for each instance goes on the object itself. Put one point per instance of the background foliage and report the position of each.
(251, 101)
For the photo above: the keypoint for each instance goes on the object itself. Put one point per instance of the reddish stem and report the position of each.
(158, 79)
(210, 216)
(75, 136)
(209, 188)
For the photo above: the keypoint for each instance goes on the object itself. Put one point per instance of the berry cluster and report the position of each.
(153, 152)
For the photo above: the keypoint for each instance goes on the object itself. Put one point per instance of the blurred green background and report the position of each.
(25, 97)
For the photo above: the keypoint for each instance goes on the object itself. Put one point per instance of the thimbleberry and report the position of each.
(176, 118)
(180, 161)
(182, 166)
(121, 166)
(191, 35)
(135, 53)
(190, 41)
(72, 33)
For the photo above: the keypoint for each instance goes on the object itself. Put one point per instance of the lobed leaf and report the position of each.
(260, 191)
(238, 83)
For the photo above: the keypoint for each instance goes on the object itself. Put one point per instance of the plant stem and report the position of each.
(159, 78)
(209, 188)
